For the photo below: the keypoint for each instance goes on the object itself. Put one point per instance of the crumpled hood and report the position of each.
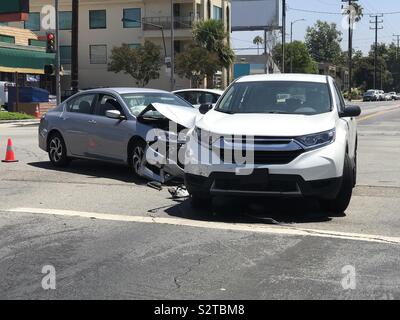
(272, 125)
(181, 115)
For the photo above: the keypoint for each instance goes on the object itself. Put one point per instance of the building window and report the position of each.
(7, 39)
(97, 19)
(65, 20)
(33, 22)
(208, 9)
(65, 54)
(133, 14)
(134, 45)
(98, 54)
(217, 13)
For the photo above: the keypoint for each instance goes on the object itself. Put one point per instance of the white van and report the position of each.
(4, 92)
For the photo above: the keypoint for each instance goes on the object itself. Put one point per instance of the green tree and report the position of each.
(196, 63)
(142, 64)
(257, 41)
(323, 41)
(302, 60)
(211, 35)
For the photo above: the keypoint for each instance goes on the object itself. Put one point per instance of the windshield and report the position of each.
(137, 102)
(281, 97)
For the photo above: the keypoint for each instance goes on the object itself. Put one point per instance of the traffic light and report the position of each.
(51, 43)
(49, 69)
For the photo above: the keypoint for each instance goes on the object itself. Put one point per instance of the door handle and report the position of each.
(92, 121)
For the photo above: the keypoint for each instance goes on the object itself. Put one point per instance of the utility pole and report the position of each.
(376, 27)
(291, 41)
(58, 65)
(172, 47)
(352, 16)
(74, 47)
(398, 44)
(283, 34)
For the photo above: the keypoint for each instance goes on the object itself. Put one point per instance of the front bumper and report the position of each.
(222, 183)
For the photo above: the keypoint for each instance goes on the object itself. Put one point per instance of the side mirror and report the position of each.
(114, 114)
(204, 108)
(351, 111)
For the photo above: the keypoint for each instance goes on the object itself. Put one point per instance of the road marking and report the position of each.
(253, 228)
(376, 114)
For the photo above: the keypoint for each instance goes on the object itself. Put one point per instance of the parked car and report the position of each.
(112, 125)
(4, 85)
(293, 148)
(198, 97)
(371, 95)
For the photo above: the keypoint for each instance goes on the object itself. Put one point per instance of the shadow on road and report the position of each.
(94, 169)
(254, 210)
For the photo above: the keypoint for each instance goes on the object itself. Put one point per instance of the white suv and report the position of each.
(254, 142)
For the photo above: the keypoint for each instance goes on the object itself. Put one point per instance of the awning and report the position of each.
(24, 60)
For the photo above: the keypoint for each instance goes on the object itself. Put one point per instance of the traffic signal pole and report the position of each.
(58, 65)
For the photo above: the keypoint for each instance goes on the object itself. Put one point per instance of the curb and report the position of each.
(20, 121)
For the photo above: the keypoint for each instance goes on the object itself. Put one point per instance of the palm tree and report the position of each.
(258, 40)
(211, 34)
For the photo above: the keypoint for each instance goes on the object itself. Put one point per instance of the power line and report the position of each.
(338, 13)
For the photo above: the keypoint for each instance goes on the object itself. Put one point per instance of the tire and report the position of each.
(136, 155)
(200, 202)
(342, 200)
(58, 151)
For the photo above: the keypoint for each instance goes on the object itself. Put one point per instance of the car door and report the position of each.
(76, 120)
(108, 138)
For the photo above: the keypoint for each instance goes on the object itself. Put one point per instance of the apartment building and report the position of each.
(101, 27)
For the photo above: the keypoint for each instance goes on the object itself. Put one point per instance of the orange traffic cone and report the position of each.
(37, 113)
(10, 157)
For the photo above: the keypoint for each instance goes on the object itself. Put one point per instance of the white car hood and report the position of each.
(273, 125)
(184, 116)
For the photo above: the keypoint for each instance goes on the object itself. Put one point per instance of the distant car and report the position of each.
(394, 95)
(381, 94)
(4, 93)
(388, 97)
(112, 125)
(371, 95)
(198, 97)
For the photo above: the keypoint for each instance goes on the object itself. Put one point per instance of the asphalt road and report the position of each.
(111, 237)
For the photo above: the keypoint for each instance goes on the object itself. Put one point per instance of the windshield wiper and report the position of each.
(225, 111)
(278, 112)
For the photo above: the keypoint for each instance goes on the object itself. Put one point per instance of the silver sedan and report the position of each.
(112, 125)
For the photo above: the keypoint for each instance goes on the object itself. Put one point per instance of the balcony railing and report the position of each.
(179, 22)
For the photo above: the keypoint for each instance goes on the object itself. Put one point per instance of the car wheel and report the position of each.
(58, 151)
(200, 202)
(137, 157)
(342, 200)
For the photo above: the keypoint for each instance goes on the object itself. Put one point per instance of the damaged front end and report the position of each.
(166, 140)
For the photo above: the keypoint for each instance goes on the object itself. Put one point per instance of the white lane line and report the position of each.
(256, 228)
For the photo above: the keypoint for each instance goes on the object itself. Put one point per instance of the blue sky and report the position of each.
(363, 37)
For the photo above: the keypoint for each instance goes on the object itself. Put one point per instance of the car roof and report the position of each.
(285, 77)
(125, 90)
(216, 91)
